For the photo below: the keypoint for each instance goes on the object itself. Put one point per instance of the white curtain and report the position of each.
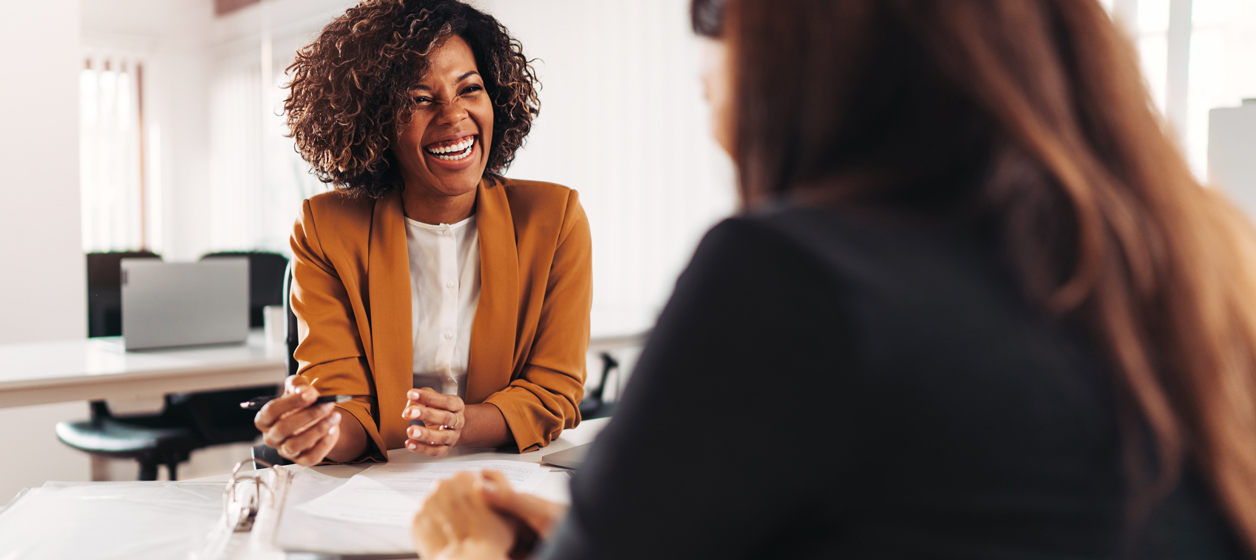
(257, 180)
(111, 174)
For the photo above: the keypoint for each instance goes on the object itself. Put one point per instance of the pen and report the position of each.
(259, 402)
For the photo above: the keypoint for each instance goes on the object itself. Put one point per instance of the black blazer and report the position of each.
(830, 387)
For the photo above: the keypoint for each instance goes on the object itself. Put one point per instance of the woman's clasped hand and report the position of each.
(443, 417)
(479, 516)
(301, 431)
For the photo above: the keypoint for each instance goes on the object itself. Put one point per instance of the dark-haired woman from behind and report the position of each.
(427, 286)
(977, 307)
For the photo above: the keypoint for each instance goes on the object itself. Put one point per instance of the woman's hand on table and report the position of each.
(537, 515)
(473, 517)
(457, 523)
(300, 432)
(444, 417)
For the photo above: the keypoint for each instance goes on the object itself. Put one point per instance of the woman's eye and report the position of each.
(473, 89)
(422, 100)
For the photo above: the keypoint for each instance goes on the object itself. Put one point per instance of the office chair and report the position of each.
(217, 414)
(593, 405)
(188, 421)
(104, 290)
(291, 339)
(150, 439)
(266, 280)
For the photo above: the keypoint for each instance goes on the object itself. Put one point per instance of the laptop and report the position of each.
(568, 458)
(167, 305)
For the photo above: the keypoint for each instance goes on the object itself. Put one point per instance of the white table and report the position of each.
(94, 369)
(100, 530)
(300, 528)
(580, 435)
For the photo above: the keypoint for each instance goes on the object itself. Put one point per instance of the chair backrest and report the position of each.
(291, 337)
(266, 280)
(104, 290)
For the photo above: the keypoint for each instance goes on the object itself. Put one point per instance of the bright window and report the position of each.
(115, 194)
(1222, 70)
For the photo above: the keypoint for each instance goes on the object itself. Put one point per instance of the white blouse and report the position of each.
(445, 290)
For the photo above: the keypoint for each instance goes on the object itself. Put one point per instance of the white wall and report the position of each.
(42, 288)
(623, 122)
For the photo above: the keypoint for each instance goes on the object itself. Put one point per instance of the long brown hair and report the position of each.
(1030, 117)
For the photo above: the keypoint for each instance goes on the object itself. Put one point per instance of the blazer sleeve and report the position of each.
(330, 350)
(545, 398)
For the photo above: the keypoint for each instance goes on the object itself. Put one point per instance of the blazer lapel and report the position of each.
(391, 328)
(492, 351)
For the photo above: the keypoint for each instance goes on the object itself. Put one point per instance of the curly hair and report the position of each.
(349, 95)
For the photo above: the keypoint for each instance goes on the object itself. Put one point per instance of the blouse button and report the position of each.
(449, 335)
(449, 284)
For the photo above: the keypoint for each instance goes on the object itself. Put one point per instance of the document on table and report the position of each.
(390, 494)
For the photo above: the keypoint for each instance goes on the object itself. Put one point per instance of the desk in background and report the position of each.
(93, 369)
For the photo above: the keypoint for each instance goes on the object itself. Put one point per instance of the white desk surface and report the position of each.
(580, 435)
(93, 369)
(101, 533)
(301, 530)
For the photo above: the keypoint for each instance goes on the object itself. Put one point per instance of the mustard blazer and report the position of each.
(351, 295)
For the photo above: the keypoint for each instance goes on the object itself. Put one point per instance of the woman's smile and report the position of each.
(454, 154)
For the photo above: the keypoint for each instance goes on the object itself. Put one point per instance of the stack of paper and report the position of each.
(391, 494)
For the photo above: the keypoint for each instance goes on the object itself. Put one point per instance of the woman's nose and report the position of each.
(452, 112)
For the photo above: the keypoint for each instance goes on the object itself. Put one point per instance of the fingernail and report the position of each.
(335, 417)
(490, 487)
(413, 395)
(332, 430)
(298, 390)
(410, 445)
(415, 413)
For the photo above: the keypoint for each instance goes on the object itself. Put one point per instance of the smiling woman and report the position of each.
(458, 300)
(440, 150)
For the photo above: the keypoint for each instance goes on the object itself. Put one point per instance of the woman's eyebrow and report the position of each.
(460, 78)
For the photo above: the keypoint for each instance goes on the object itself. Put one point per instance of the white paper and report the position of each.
(391, 494)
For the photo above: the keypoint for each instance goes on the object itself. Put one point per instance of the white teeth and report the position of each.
(462, 146)
(457, 156)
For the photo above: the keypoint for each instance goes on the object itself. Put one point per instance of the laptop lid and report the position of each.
(568, 458)
(184, 304)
